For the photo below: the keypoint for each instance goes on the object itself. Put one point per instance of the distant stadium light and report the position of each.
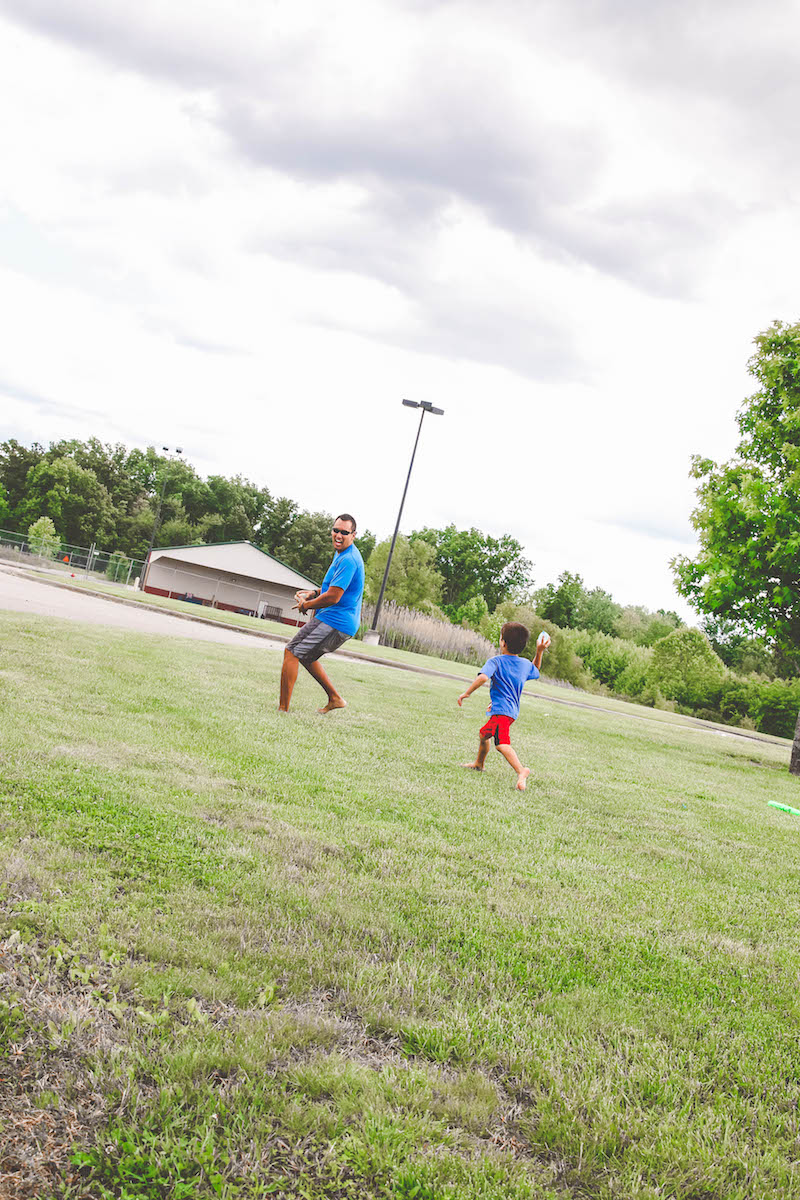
(157, 521)
(426, 408)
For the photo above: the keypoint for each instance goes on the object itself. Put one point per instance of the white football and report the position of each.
(543, 638)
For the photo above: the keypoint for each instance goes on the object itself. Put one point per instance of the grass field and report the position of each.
(542, 688)
(249, 954)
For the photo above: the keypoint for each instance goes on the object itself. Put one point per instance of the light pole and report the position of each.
(372, 637)
(157, 521)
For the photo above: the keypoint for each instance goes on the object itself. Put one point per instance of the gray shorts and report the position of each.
(315, 639)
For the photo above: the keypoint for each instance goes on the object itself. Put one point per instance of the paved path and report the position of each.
(22, 594)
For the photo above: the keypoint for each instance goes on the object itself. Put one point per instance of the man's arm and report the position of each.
(477, 682)
(323, 600)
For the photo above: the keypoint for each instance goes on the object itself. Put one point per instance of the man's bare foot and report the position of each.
(331, 705)
(472, 767)
(522, 779)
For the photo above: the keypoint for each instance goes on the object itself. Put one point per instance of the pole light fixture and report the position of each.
(157, 521)
(372, 636)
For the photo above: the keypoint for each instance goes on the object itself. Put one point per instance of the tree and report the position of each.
(740, 653)
(747, 569)
(473, 613)
(598, 611)
(413, 579)
(472, 563)
(276, 523)
(561, 603)
(5, 510)
(567, 603)
(73, 497)
(638, 624)
(15, 463)
(306, 546)
(43, 538)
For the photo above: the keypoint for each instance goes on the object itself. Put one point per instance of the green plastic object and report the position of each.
(785, 808)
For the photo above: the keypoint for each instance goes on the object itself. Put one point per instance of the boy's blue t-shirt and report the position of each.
(346, 572)
(507, 673)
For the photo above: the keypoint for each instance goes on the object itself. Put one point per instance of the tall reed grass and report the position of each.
(421, 633)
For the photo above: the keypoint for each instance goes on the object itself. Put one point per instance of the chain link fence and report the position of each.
(72, 560)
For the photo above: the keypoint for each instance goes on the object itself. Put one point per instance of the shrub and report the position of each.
(472, 613)
(738, 700)
(560, 661)
(687, 670)
(606, 658)
(776, 707)
(43, 538)
(118, 567)
(632, 681)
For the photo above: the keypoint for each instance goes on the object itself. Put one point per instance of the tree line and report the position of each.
(118, 498)
(744, 580)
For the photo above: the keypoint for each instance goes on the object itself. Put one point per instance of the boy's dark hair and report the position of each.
(515, 636)
(346, 517)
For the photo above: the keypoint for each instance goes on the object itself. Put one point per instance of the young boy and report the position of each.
(505, 673)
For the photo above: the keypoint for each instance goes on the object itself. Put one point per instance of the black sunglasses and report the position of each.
(344, 532)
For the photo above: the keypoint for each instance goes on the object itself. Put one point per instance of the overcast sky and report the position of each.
(251, 228)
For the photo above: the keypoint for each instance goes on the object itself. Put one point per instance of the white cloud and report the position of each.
(252, 231)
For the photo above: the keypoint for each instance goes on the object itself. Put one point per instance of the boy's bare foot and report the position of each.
(472, 767)
(522, 779)
(331, 705)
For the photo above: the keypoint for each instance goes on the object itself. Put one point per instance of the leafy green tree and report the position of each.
(413, 579)
(645, 628)
(73, 497)
(561, 602)
(472, 563)
(472, 613)
(5, 509)
(306, 546)
(747, 569)
(684, 668)
(16, 461)
(43, 538)
(176, 531)
(109, 464)
(748, 514)
(598, 611)
(276, 523)
(740, 653)
(366, 544)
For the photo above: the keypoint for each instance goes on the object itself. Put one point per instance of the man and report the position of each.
(336, 610)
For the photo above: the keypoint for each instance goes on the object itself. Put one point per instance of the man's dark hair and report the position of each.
(346, 517)
(515, 636)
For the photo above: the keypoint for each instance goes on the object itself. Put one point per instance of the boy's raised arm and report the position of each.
(477, 682)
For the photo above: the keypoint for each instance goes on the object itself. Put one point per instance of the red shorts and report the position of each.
(499, 728)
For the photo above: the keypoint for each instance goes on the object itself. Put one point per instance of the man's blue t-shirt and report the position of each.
(507, 673)
(346, 572)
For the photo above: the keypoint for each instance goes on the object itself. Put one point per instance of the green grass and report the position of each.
(262, 954)
(542, 688)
